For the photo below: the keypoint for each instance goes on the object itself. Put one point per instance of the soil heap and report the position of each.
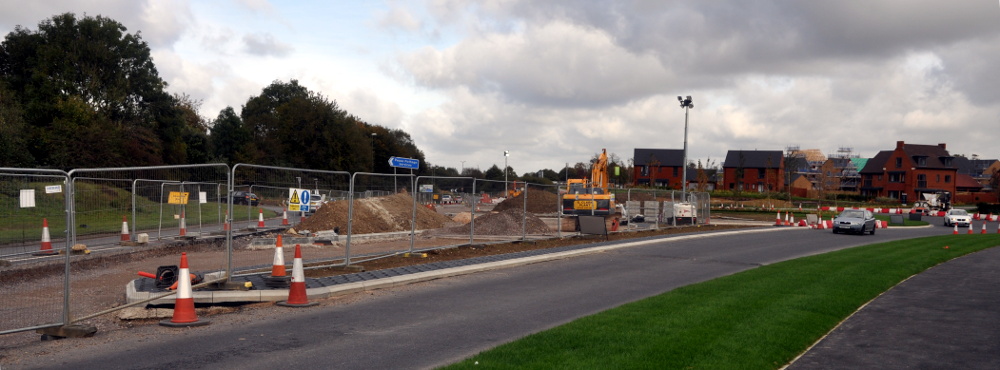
(506, 223)
(374, 215)
(539, 201)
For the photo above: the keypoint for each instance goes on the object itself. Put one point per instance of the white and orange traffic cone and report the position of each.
(777, 219)
(278, 267)
(970, 229)
(984, 228)
(955, 232)
(46, 248)
(284, 218)
(184, 314)
(791, 220)
(183, 225)
(225, 223)
(260, 219)
(297, 296)
(125, 236)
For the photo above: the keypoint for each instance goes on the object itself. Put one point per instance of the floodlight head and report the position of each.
(505, 153)
(680, 99)
(689, 98)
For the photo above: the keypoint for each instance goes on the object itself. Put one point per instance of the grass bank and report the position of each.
(757, 319)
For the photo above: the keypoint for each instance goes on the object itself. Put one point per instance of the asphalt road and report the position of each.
(443, 321)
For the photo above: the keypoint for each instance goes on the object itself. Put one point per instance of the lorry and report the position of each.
(590, 196)
(934, 201)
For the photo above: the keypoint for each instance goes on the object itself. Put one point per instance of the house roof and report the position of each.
(859, 163)
(963, 181)
(662, 157)
(934, 154)
(876, 164)
(753, 159)
(811, 155)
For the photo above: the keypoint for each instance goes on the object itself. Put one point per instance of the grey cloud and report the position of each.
(265, 45)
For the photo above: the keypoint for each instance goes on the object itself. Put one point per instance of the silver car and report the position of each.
(957, 217)
(854, 221)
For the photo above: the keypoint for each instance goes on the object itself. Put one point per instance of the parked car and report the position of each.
(957, 217)
(245, 197)
(854, 221)
(446, 198)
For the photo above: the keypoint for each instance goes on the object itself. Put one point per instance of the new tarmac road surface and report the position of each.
(443, 321)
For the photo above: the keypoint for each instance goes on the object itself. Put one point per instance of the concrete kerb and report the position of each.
(273, 295)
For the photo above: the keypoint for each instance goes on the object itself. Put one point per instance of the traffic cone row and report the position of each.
(297, 296)
(184, 313)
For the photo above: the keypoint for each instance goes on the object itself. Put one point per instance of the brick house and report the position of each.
(909, 170)
(754, 170)
(659, 167)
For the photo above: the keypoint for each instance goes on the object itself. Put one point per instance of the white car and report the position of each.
(957, 217)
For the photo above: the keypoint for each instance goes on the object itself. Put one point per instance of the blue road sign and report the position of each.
(404, 162)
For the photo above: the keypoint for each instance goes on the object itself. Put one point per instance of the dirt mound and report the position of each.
(539, 201)
(374, 215)
(507, 223)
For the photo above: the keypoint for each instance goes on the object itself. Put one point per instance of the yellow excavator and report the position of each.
(590, 197)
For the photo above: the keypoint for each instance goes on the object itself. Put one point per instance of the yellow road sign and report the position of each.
(177, 197)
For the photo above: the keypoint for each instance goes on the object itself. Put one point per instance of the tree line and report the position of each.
(85, 93)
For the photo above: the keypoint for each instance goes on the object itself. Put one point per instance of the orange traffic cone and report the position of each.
(955, 232)
(184, 314)
(970, 229)
(777, 219)
(46, 248)
(297, 296)
(225, 223)
(284, 218)
(183, 225)
(984, 228)
(125, 236)
(260, 219)
(278, 267)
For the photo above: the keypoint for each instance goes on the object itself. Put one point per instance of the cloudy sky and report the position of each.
(555, 81)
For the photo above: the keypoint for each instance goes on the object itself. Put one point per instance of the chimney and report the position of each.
(899, 144)
(943, 145)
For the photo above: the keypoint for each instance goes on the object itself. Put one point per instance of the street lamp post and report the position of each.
(687, 104)
(373, 151)
(505, 155)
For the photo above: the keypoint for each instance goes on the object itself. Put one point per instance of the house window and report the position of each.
(937, 178)
(921, 161)
(896, 177)
(645, 170)
(675, 171)
(921, 181)
(760, 173)
(947, 179)
(899, 163)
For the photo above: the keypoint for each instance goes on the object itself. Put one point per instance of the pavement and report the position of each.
(947, 317)
(944, 317)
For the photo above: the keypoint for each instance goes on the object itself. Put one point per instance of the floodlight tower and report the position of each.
(687, 104)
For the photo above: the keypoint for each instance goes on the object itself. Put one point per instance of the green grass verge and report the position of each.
(757, 319)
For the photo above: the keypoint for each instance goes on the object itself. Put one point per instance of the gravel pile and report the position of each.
(539, 201)
(504, 223)
(374, 215)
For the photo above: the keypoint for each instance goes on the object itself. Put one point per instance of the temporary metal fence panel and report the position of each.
(371, 219)
(103, 200)
(257, 223)
(439, 219)
(28, 199)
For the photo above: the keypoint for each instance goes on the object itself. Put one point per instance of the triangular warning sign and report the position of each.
(295, 198)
